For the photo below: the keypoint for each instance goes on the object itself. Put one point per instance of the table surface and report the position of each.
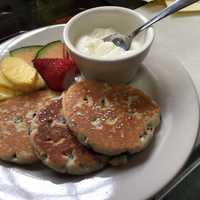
(182, 35)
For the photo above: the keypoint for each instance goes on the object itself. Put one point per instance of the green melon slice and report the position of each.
(54, 49)
(27, 53)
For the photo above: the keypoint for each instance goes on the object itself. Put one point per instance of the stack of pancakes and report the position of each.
(88, 126)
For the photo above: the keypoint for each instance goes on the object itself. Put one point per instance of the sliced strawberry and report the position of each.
(65, 52)
(58, 73)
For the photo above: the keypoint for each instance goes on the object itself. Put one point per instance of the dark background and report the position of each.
(17, 15)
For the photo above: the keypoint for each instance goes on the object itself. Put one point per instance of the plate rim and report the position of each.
(197, 97)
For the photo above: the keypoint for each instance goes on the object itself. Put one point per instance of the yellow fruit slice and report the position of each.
(4, 81)
(39, 82)
(6, 93)
(18, 72)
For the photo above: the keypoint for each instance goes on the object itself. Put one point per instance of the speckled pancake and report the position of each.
(56, 147)
(110, 119)
(16, 115)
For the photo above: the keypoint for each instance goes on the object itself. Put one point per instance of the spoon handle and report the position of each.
(177, 5)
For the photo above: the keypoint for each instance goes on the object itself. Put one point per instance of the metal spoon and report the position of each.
(124, 41)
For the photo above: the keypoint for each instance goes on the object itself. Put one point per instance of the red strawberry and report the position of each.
(58, 73)
(65, 52)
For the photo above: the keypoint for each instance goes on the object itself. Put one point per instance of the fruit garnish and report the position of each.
(27, 53)
(53, 49)
(4, 82)
(6, 93)
(18, 72)
(39, 82)
(58, 73)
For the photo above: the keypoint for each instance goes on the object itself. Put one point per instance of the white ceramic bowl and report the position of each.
(123, 20)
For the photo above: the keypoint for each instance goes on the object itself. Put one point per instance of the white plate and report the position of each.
(164, 78)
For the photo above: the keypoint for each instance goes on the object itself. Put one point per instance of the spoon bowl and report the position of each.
(119, 40)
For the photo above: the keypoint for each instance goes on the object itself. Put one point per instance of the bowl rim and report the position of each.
(68, 43)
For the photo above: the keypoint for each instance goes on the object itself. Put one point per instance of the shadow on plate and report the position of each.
(39, 171)
(136, 159)
(145, 81)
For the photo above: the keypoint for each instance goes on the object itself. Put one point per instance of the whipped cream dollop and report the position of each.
(93, 45)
